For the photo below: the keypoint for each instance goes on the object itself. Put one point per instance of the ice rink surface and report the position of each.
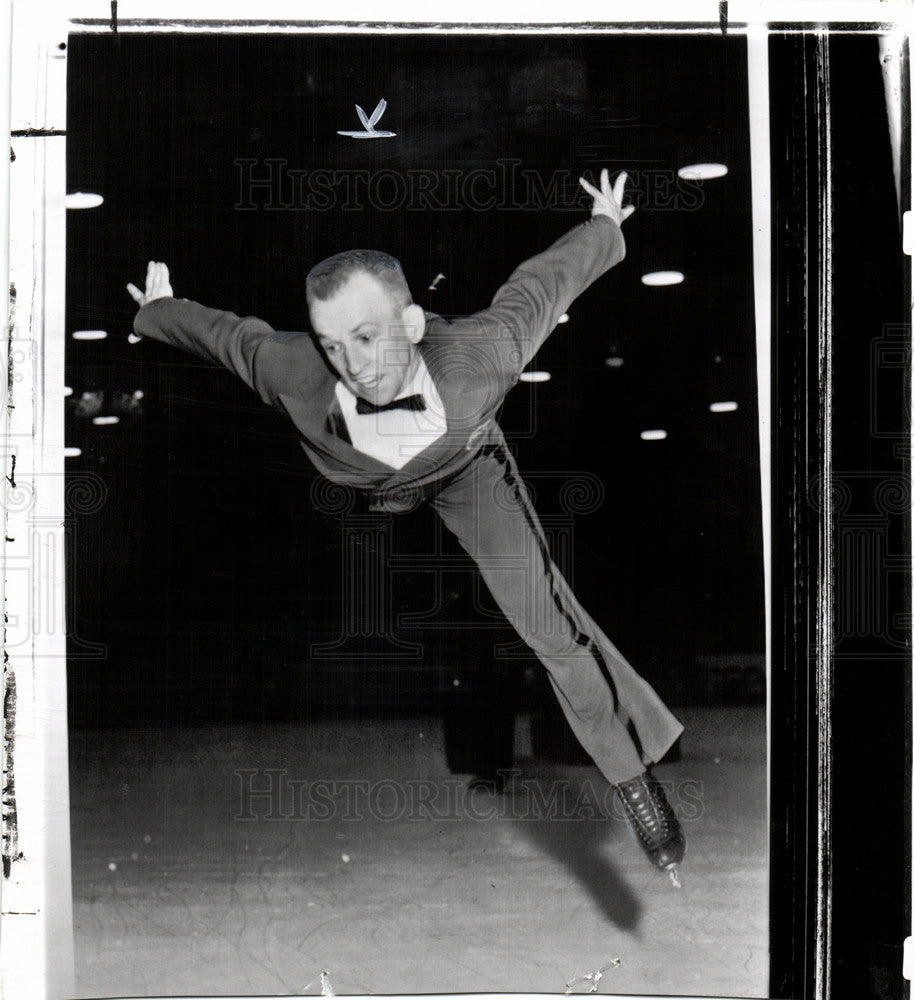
(382, 870)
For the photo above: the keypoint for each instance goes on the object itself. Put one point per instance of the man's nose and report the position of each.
(356, 361)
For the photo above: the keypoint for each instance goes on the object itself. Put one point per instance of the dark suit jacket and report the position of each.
(473, 360)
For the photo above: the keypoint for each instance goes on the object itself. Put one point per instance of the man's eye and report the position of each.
(332, 348)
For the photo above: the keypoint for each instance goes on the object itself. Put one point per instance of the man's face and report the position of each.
(368, 338)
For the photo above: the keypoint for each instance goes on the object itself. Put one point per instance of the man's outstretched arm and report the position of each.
(219, 337)
(528, 306)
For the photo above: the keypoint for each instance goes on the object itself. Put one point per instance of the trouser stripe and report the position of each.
(499, 453)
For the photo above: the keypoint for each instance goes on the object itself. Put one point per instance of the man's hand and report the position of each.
(157, 285)
(608, 201)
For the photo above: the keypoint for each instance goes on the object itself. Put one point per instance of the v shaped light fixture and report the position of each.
(370, 132)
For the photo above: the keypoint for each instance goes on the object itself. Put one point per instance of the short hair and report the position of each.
(325, 279)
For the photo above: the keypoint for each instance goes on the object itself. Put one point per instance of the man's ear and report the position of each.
(414, 322)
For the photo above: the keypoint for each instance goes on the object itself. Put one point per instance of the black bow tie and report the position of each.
(416, 402)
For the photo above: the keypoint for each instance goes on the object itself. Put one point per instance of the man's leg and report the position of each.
(489, 511)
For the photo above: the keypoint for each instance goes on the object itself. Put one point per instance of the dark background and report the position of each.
(208, 571)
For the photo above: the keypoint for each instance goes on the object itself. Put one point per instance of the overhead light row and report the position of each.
(692, 172)
(651, 279)
(660, 435)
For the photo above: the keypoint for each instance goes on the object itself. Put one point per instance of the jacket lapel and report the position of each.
(310, 418)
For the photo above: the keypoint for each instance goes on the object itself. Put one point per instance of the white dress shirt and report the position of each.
(395, 436)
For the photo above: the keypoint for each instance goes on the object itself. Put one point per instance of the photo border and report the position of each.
(35, 894)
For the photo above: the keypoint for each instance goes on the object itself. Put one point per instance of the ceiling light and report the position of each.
(82, 199)
(702, 171)
(655, 278)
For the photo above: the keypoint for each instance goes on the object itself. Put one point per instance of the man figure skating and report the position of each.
(402, 404)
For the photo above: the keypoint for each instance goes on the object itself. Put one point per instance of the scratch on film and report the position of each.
(9, 818)
(592, 977)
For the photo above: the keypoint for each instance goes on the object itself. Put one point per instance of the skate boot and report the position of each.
(652, 818)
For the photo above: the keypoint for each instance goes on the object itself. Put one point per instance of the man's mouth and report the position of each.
(368, 383)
